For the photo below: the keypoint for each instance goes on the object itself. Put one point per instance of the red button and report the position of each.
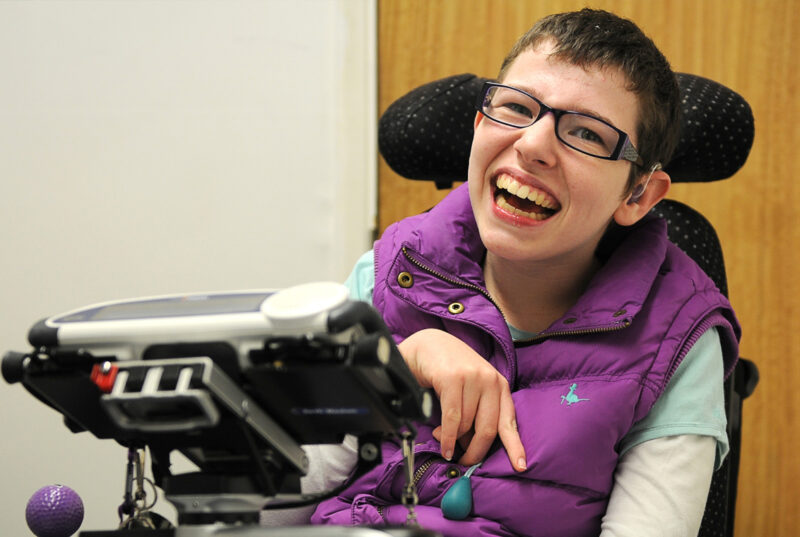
(104, 376)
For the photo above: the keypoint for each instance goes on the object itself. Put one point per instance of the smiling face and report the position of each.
(534, 198)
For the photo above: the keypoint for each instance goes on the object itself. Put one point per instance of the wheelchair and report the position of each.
(717, 134)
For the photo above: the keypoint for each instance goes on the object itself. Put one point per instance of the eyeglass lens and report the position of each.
(581, 132)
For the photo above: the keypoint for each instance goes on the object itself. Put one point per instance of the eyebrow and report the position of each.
(579, 109)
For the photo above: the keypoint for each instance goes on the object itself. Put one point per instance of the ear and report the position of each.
(631, 210)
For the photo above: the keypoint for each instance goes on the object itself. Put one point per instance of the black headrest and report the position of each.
(427, 133)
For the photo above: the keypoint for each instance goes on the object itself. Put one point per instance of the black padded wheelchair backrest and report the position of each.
(427, 134)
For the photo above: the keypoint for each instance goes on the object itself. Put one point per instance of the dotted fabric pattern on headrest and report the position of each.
(717, 131)
(427, 133)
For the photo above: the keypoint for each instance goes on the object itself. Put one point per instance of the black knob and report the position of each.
(14, 366)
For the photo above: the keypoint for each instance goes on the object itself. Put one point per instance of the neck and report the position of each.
(534, 295)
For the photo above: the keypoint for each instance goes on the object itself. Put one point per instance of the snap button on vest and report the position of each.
(570, 320)
(405, 279)
(456, 308)
(453, 472)
(620, 313)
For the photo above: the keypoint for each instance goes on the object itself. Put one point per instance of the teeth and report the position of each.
(503, 204)
(542, 201)
(540, 198)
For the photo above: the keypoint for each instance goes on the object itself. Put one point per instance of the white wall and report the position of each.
(152, 147)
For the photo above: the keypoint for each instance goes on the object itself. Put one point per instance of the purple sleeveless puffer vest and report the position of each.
(577, 389)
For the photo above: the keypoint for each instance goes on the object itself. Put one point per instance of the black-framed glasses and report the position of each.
(582, 132)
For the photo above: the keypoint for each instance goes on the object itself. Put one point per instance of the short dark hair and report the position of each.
(596, 38)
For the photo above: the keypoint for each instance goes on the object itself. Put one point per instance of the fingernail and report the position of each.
(521, 464)
(448, 454)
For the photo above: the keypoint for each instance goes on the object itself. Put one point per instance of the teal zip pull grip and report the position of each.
(457, 501)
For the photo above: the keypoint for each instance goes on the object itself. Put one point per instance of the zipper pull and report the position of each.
(410, 497)
(457, 501)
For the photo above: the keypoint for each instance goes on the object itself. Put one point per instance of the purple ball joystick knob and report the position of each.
(54, 511)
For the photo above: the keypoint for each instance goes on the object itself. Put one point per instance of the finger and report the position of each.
(450, 401)
(461, 443)
(472, 394)
(485, 430)
(509, 433)
(465, 439)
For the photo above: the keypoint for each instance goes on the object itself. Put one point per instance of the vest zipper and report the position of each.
(508, 351)
(459, 283)
(623, 324)
(418, 475)
(423, 468)
(583, 331)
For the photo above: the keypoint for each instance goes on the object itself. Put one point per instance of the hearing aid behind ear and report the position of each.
(638, 192)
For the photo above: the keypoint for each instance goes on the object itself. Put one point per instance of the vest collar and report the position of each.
(614, 295)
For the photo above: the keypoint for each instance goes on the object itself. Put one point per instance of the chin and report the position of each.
(505, 245)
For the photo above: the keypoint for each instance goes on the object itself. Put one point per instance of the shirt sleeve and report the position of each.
(667, 459)
(660, 488)
(361, 280)
(690, 405)
(329, 465)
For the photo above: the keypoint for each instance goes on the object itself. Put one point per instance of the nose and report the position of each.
(537, 143)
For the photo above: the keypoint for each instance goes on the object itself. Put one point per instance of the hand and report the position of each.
(475, 399)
